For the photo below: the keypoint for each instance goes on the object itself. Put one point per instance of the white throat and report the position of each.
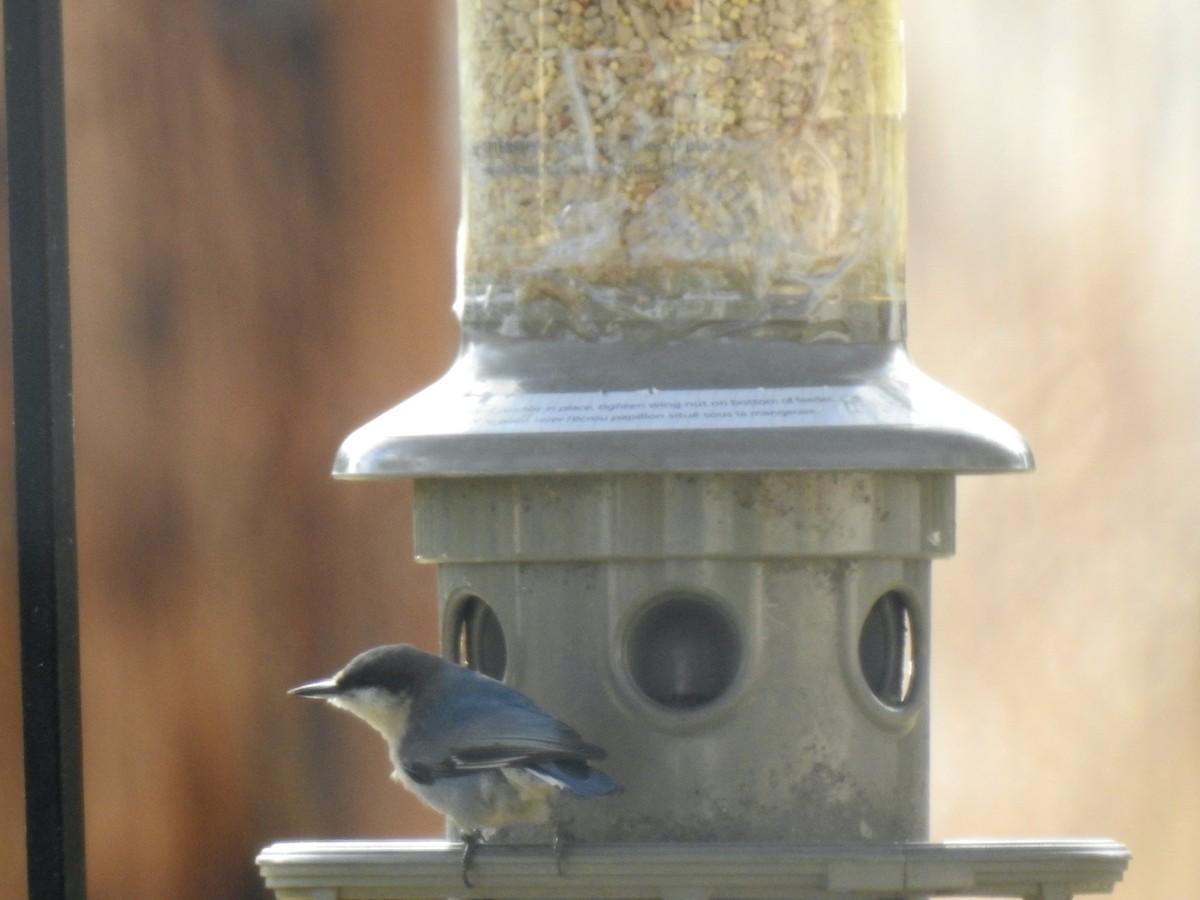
(383, 711)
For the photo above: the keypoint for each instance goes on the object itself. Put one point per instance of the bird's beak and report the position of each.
(326, 687)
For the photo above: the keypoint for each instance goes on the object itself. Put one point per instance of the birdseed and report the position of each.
(682, 166)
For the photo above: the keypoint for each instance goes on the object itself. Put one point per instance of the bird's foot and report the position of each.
(563, 841)
(471, 841)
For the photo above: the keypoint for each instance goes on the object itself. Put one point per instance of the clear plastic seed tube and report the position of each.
(682, 168)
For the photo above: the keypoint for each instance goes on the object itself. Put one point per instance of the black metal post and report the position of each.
(44, 439)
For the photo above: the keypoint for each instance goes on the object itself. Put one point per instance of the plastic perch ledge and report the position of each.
(1036, 870)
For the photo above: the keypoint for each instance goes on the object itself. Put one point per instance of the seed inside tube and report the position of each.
(708, 161)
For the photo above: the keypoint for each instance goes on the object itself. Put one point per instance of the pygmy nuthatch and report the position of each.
(470, 747)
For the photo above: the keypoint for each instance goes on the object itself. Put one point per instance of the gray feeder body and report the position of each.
(739, 642)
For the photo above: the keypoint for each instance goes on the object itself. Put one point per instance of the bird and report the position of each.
(470, 747)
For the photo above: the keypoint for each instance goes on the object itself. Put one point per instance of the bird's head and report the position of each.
(377, 686)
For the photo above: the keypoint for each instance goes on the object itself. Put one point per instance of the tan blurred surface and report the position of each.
(1054, 251)
(262, 210)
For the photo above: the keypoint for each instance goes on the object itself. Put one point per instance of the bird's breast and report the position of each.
(486, 800)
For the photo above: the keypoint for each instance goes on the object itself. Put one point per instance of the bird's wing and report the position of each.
(480, 724)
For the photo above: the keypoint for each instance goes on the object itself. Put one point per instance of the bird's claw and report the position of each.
(563, 840)
(471, 840)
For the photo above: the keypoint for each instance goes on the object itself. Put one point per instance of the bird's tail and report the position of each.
(577, 777)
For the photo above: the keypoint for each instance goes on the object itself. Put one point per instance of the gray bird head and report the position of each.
(377, 686)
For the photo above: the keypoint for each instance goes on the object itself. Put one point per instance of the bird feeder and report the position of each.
(683, 484)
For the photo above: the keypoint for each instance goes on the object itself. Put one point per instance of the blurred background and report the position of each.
(263, 206)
